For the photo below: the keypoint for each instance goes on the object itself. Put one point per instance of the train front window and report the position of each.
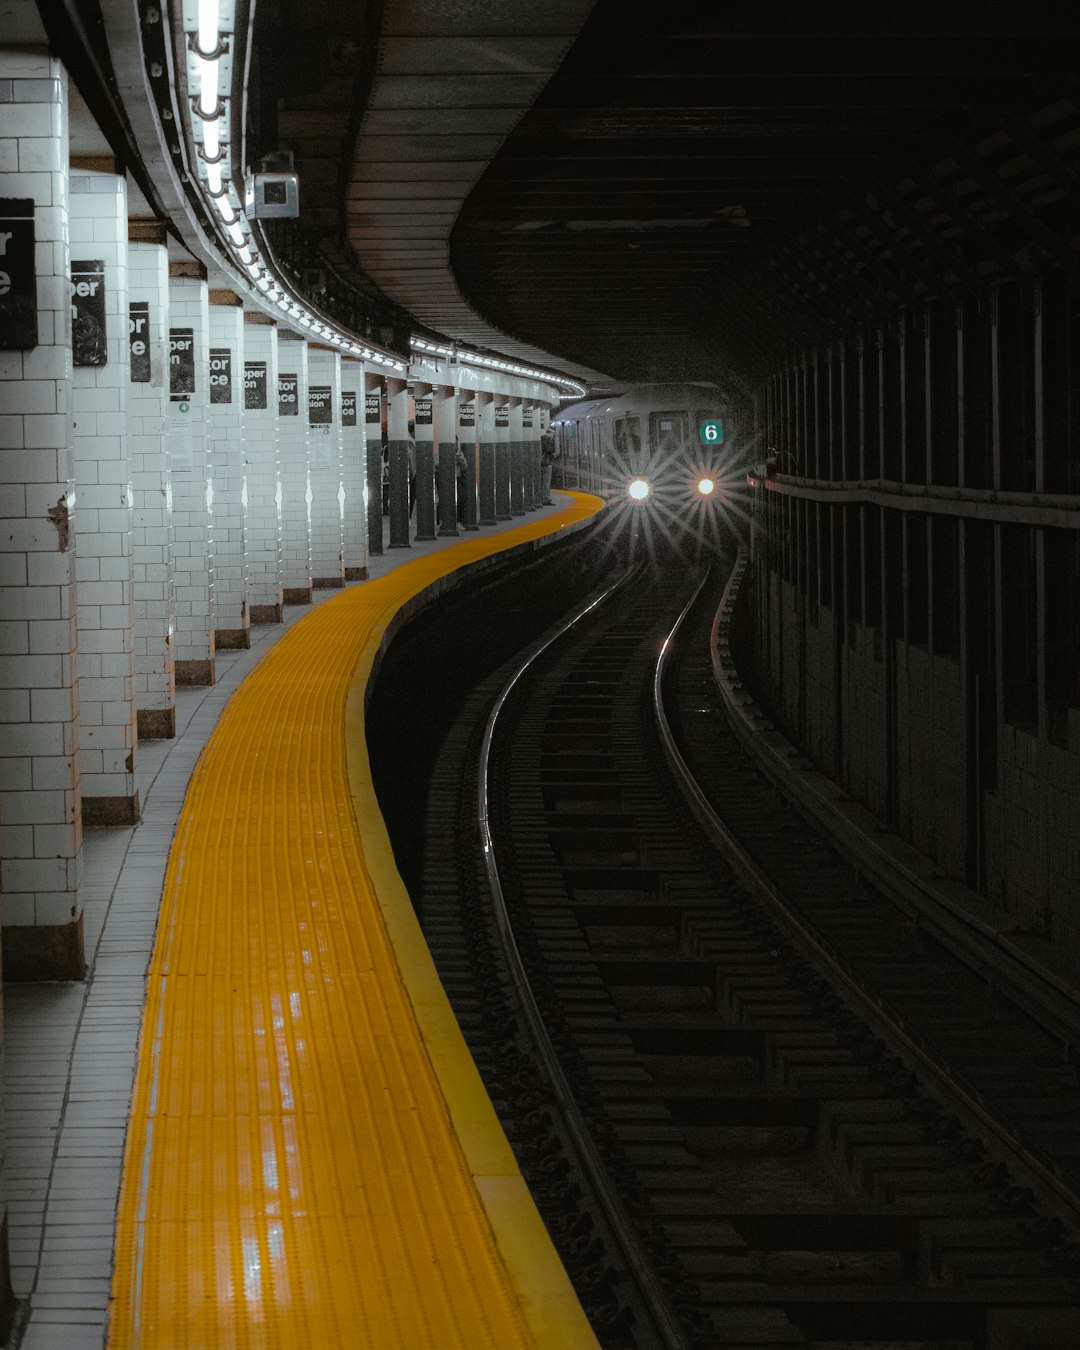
(627, 431)
(669, 433)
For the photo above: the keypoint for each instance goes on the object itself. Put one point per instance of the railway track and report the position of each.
(782, 1165)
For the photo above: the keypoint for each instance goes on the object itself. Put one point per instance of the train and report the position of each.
(670, 454)
(649, 441)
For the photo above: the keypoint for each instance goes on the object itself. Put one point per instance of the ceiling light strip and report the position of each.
(210, 39)
(495, 363)
(209, 30)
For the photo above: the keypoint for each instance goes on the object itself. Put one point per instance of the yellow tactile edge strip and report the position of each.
(545, 1294)
(285, 1102)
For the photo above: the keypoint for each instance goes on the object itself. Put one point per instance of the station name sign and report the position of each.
(502, 416)
(348, 408)
(181, 363)
(139, 340)
(18, 275)
(319, 405)
(466, 414)
(372, 411)
(255, 385)
(423, 412)
(88, 336)
(220, 375)
(286, 396)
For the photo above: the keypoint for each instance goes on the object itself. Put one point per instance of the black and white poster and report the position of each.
(18, 275)
(286, 396)
(348, 408)
(139, 340)
(502, 416)
(254, 384)
(466, 414)
(88, 344)
(181, 363)
(372, 411)
(220, 375)
(320, 409)
(423, 412)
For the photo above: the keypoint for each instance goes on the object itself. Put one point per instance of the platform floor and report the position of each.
(292, 1178)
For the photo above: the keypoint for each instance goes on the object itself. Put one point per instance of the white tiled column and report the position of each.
(263, 471)
(503, 458)
(487, 452)
(517, 459)
(225, 447)
(446, 431)
(327, 493)
(530, 438)
(103, 533)
(151, 536)
(353, 471)
(193, 576)
(294, 458)
(468, 439)
(40, 826)
(373, 416)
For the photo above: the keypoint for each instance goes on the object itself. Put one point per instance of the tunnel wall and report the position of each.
(917, 587)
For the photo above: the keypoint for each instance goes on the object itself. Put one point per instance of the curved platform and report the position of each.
(311, 1158)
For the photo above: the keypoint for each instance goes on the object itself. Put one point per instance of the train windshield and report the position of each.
(669, 434)
(627, 432)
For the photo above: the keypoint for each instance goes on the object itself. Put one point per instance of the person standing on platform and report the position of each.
(548, 456)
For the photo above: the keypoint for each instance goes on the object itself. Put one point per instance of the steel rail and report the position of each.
(665, 1318)
(1042, 1175)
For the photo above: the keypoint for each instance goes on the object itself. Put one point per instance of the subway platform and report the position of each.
(310, 1157)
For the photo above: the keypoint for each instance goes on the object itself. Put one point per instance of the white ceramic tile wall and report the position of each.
(261, 452)
(192, 490)
(103, 524)
(228, 473)
(325, 470)
(148, 402)
(353, 473)
(40, 831)
(295, 462)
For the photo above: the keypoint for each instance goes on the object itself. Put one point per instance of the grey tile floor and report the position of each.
(69, 1049)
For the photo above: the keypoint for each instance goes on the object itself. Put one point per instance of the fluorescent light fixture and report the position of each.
(208, 73)
(209, 25)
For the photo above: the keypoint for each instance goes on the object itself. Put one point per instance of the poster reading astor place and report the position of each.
(220, 375)
(348, 408)
(286, 395)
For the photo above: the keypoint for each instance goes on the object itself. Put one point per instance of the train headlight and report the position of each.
(638, 489)
(706, 487)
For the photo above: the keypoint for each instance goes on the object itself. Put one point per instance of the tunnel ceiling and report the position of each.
(683, 189)
(699, 187)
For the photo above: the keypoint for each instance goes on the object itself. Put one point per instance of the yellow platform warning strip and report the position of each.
(311, 1160)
